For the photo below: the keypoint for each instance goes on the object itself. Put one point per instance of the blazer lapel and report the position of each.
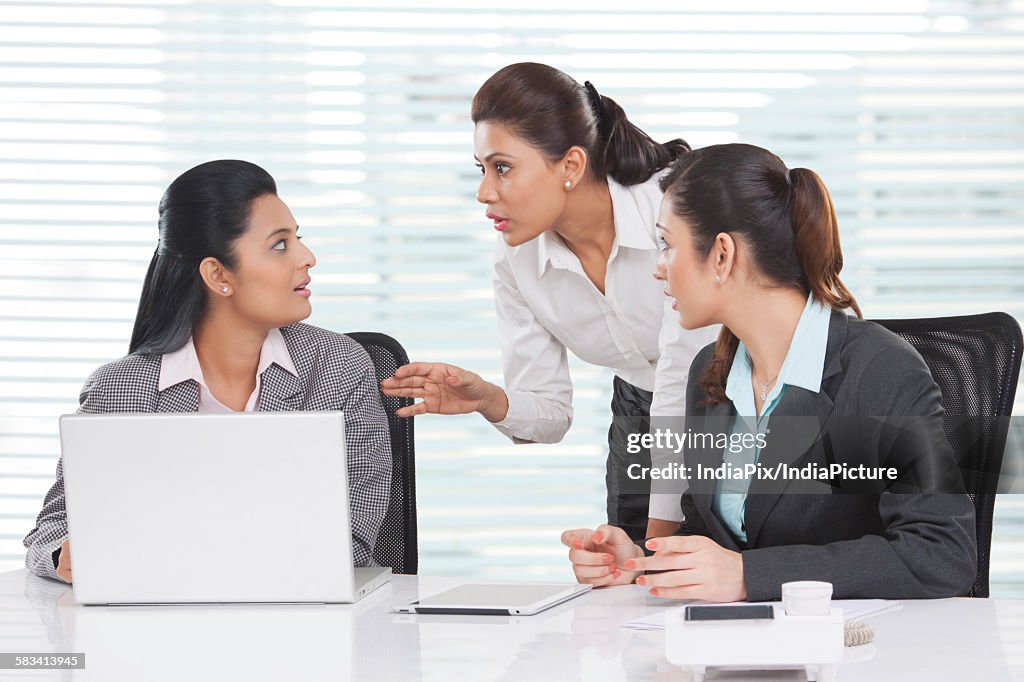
(717, 419)
(280, 390)
(795, 425)
(183, 397)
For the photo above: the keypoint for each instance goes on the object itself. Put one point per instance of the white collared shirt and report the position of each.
(183, 365)
(547, 306)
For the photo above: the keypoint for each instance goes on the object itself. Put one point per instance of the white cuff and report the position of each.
(525, 423)
(665, 506)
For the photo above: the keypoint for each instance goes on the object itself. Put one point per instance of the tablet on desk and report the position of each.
(495, 599)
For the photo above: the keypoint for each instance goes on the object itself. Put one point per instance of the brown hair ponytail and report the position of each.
(816, 239)
(785, 218)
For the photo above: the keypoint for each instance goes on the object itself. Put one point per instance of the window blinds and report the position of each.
(910, 110)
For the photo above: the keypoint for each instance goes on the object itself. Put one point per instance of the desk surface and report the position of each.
(583, 639)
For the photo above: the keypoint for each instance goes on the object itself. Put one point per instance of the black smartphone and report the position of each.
(743, 612)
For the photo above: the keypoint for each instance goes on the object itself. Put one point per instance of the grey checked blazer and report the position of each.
(335, 373)
(887, 545)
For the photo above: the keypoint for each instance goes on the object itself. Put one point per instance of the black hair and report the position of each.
(202, 213)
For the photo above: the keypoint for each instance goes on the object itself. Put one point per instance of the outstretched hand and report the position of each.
(445, 389)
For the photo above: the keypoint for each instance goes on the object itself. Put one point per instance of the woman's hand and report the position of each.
(661, 528)
(597, 555)
(445, 389)
(697, 568)
(64, 562)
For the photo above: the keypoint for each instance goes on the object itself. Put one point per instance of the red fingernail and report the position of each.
(629, 565)
(651, 544)
(616, 574)
(577, 544)
(641, 581)
(598, 537)
(608, 558)
(654, 591)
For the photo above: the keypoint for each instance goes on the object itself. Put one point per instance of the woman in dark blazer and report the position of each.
(755, 247)
(218, 330)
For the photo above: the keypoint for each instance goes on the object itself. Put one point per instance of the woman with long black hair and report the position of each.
(571, 185)
(218, 330)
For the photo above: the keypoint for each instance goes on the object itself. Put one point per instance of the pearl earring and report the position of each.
(718, 279)
(568, 184)
(225, 290)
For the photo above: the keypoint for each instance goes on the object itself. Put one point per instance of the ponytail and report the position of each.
(816, 241)
(171, 302)
(627, 154)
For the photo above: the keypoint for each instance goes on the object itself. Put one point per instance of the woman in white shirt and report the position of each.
(572, 187)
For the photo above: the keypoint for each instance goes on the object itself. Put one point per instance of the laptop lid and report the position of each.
(172, 508)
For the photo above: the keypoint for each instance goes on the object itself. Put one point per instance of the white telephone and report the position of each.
(806, 632)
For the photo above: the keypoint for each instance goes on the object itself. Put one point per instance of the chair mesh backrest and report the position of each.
(975, 360)
(396, 542)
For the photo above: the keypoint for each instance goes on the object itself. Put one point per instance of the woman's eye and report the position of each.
(280, 245)
(663, 244)
(500, 168)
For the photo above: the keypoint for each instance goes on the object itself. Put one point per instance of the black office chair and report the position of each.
(396, 543)
(975, 360)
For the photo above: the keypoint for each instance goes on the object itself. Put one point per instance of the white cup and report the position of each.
(807, 598)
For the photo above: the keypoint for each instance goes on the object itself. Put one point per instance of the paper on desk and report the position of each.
(853, 609)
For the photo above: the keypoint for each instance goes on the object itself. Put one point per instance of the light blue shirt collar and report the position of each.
(804, 365)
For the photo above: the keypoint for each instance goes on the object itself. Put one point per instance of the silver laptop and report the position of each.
(204, 508)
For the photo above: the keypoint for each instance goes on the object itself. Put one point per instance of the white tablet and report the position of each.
(508, 599)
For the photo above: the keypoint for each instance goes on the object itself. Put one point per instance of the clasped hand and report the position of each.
(694, 566)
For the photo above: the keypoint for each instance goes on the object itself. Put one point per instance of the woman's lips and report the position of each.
(302, 289)
(500, 222)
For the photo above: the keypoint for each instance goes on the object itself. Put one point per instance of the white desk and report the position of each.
(952, 639)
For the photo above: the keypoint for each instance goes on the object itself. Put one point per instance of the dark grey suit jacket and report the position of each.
(876, 544)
